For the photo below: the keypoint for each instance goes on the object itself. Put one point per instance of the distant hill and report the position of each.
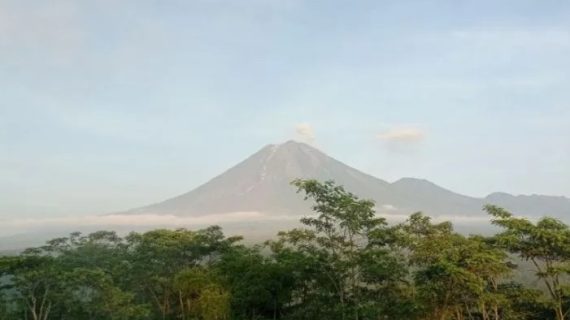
(261, 183)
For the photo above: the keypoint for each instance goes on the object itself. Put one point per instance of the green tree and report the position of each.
(156, 258)
(201, 294)
(72, 277)
(332, 250)
(546, 244)
(456, 277)
(261, 286)
(89, 293)
(33, 280)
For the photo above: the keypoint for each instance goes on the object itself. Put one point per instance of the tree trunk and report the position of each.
(559, 312)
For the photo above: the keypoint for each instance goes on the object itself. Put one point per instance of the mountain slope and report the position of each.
(532, 205)
(422, 195)
(261, 183)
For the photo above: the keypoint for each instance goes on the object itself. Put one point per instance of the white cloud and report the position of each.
(394, 218)
(16, 226)
(305, 132)
(402, 135)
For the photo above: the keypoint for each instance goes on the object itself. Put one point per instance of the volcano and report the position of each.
(262, 183)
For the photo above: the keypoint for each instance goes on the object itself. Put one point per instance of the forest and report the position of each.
(344, 262)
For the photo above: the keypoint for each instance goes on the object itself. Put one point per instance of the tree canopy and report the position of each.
(343, 262)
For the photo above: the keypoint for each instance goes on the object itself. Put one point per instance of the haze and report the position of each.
(108, 105)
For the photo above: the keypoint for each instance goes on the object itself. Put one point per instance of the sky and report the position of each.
(108, 105)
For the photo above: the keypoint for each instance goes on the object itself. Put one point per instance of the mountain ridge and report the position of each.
(261, 183)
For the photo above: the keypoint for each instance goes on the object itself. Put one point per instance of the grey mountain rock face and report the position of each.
(261, 183)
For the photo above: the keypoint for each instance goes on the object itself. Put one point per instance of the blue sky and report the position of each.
(107, 105)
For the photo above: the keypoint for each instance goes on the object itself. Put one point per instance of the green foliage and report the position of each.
(454, 275)
(344, 263)
(104, 276)
(347, 271)
(546, 244)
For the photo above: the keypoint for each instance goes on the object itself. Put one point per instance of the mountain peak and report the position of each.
(291, 142)
(262, 183)
(295, 144)
(410, 180)
(289, 145)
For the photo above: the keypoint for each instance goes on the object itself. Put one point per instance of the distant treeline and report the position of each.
(345, 263)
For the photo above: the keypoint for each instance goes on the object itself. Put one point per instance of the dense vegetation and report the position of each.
(346, 263)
